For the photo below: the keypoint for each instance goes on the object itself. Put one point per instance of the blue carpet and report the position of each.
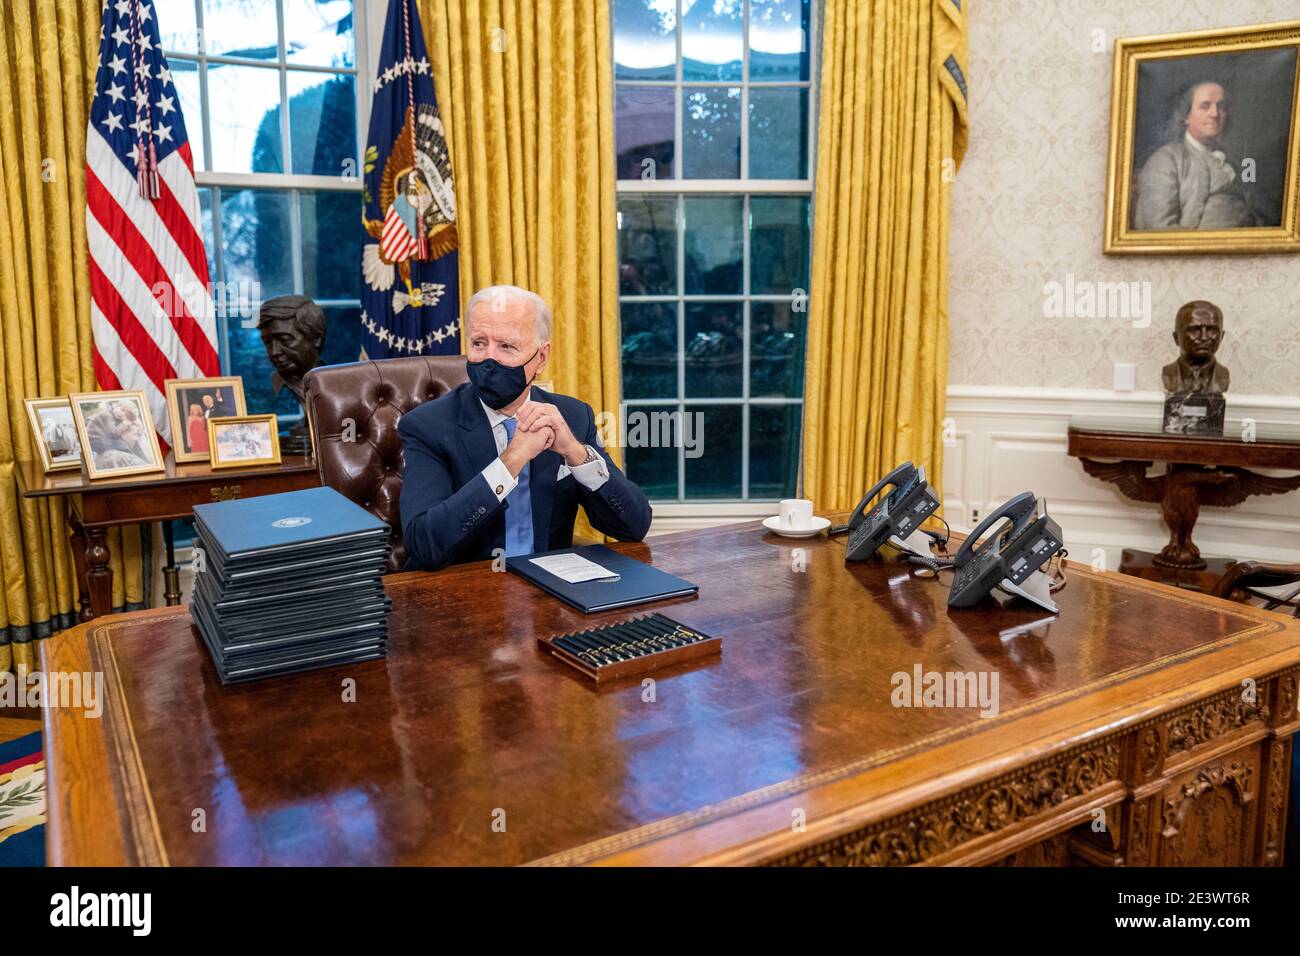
(22, 802)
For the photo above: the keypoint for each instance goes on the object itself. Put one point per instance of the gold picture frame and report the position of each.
(242, 459)
(106, 451)
(44, 414)
(1191, 188)
(182, 392)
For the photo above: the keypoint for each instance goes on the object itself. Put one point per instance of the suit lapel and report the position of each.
(476, 431)
(476, 434)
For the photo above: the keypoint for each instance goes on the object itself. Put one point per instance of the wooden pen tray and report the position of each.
(590, 651)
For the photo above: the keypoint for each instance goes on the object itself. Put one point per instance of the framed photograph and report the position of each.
(192, 403)
(116, 433)
(55, 432)
(244, 440)
(1204, 149)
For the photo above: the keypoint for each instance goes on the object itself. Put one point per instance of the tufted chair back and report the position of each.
(374, 396)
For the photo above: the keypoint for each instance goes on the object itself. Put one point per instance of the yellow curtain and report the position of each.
(891, 134)
(525, 91)
(48, 53)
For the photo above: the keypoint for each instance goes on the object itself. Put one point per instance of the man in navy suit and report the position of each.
(498, 463)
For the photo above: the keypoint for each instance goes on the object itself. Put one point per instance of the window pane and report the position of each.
(319, 32)
(777, 45)
(649, 336)
(647, 246)
(650, 454)
(644, 124)
(716, 472)
(715, 349)
(244, 113)
(256, 239)
(241, 28)
(712, 39)
(209, 242)
(331, 244)
(711, 133)
(645, 42)
(715, 245)
(778, 133)
(185, 77)
(774, 450)
(176, 27)
(778, 244)
(342, 334)
(322, 122)
(777, 337)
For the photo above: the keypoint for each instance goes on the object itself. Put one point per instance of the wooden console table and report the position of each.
(1141, 725)
(1201, 471)
(95, 506)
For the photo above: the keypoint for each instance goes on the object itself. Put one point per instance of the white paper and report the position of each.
(572, 568)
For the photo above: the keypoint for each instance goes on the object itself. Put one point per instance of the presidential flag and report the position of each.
(410, 304)
(151, 309)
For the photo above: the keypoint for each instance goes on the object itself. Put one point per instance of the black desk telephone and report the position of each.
(900, 513)
(1014, 554)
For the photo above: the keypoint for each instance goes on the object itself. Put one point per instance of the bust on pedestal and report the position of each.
(293, 333)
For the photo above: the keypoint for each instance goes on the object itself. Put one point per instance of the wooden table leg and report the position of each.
(78, 536)
(98, 574)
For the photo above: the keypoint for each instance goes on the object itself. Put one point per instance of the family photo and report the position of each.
(54, 432)
(191, 403)
(117, 432)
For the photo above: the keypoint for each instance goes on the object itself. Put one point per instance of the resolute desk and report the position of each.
(1165, 713)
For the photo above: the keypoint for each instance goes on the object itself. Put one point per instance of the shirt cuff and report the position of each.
(500, 481)
(591, 474)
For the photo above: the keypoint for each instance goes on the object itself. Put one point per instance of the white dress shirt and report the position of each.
(592, 474)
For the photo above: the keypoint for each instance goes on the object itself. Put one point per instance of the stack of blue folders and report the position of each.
(288, 583)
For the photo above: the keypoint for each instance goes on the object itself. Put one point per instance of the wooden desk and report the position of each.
(787, 749)
(95, 506)
(1202, 470)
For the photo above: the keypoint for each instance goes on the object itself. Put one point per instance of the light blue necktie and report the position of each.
(519, 516)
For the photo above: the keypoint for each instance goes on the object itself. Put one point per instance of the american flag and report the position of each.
(151, 306)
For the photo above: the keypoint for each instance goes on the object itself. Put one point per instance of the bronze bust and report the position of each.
(1198, 330)
(293, 333)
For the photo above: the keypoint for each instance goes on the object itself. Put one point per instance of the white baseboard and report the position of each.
(1009, 440)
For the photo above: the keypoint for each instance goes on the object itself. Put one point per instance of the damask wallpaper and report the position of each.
(1028, 208)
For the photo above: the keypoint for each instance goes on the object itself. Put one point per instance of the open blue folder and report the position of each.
(633, 581)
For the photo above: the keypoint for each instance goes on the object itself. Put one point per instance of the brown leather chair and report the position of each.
(1244, 582)
(373, 396)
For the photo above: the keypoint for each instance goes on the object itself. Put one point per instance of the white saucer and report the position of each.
(817, 526)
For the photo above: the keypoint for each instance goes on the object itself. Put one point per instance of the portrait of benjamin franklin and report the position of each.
(1210, 140)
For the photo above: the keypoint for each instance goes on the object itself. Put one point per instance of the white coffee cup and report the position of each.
(796, 513)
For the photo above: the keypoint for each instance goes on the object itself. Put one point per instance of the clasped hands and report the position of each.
(539, 426)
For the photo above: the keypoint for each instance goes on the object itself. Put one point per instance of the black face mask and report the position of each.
(499, 385)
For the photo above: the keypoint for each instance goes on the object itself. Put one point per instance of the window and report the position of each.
(713, 133)
(271, 99)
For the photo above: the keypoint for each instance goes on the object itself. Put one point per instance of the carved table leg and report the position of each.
(79, 561)
(98, 574)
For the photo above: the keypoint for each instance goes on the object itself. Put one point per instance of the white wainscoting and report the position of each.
(1008, 440)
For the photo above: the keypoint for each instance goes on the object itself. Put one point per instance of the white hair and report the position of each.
(494, 294)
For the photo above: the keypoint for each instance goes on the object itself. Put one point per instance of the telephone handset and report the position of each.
(909, 503)
(1011, 555)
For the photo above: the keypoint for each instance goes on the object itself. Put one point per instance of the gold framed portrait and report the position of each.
(1204, 147)
(191, 403)
(243, 441)
(116, 433)
(54, 432)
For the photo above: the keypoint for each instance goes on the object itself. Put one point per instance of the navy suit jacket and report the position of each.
(449, 514)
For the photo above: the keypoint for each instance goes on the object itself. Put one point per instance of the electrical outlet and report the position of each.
(1125, 376)
(974, 516)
